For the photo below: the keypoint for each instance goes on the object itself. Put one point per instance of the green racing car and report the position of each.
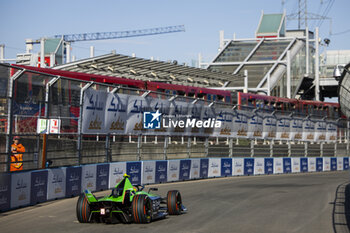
(128, 203)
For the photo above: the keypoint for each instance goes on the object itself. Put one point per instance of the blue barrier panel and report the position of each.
(319, 164)
(133, 169)
(102, 177)
(204, 168)
(161, 171)
(303, 165)
(333, 164)
(248, 166)
(20, 189)
(73, 181)
(268, 165)
(346, 163)
(287, 165)
(5, 191)
(226, 167)
(185, 169)
(38, 189)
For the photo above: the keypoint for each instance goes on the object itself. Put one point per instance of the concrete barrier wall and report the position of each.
(32, 187)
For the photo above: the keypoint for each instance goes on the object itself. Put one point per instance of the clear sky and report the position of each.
(203, 19)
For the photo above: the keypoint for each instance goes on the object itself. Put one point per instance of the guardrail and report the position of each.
(21, 189)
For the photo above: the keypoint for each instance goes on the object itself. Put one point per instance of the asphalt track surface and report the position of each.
(310, 202)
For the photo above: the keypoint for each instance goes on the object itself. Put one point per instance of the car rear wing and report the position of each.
(89, 196)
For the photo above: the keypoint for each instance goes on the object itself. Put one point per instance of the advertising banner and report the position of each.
(116, 113)
(269, 165)
(38, 190)
(116, 172)
(331, 135)
(240, 124)
(88, 177)
(269, 127)
(304, 164)
(259, 168)
(296, 130)
(185, 169)
(163, 106)
(173, 170)
(199, 112)
(277, 165)
(226, 167)
(137, 105)
(295, 165)
(102, 177)
(283, 128)
(5, 191)
(161, 172)
(73, 181)
(93, 121)
(311, 164)
(287, 165)
(320, 131)
(204, 168)
(178, 112)
(308, 130)
(133, 169)
(56, 185)
(214, 167)
(148, 172)
(319, 164)
(20, 189)
(238, 166)
(346, 163)
(195, 169)
(248, 166)
(333, 164)
(208, 114)
(225, 115)
(255, 126)
(326, 164)
(340, 162)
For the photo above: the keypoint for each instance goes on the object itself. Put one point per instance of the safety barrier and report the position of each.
(32, 187)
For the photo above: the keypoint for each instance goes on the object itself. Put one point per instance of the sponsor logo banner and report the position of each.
(195, 168)
(255, 126)
(73, 181)
(56, 187)
(278, 166)
(269, 165)
(38, 190)
(296, 133)
(226, 167)
(102, 176)
(161, 171)
(133, 169)
(346, 163)
(116, 113)
(148, 172)
(259, 166)
(248, 166)
(238, 166)
(319, 164)
(333, 164)
(303, 164)
(88, 177)
(312, 164)
(326, 164)
(308, 130)
(283, 129)
(295, 165)
(204, 168)
(5, 191)
(287, 165)
(185, 169)
(20, 189)
(173, 170)
(340, 166)
(214, 167)
(116, 172)
(269, 127)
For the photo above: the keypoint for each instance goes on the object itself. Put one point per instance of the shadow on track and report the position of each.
(341, 209)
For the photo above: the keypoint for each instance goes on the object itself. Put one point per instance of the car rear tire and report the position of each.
(83, 209)
(141, 209)
(174, 202)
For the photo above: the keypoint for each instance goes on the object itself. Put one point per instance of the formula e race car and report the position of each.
(128, 203)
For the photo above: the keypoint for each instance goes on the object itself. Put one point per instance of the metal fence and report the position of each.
(26, 96)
